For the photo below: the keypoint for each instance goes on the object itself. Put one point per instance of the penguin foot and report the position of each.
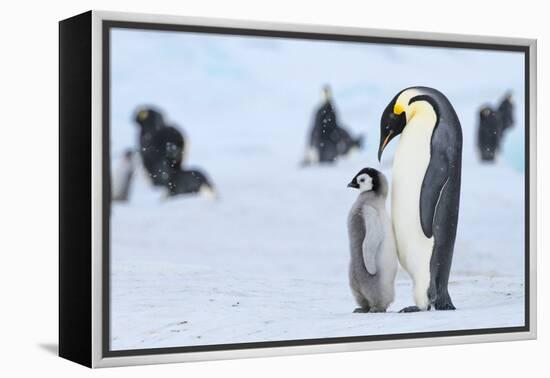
(409, 309)
(360, 310)
(444, 303)
(374, 310)
(445, 306)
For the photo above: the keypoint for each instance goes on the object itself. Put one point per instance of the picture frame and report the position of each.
(85, 83)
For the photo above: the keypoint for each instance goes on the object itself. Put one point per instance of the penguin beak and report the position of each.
(383, 143)
(353, 184)
(391, 125)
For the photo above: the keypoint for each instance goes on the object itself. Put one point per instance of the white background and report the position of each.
(28, 198)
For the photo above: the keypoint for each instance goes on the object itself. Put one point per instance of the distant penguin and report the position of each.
(425, 189)
(189, 182)
(506, 110)
(346, 143)
(373, 264)
(123, 174)
(323, 141)
(161, 146)
(488, 133)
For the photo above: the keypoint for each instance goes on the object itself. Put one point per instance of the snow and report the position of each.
(267, 260)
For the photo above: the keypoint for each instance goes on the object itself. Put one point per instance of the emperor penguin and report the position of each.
(189, 181)
(347, 144)
(425, 189)
(506, 110)
(489, 133)
(162, 146)
(323, 141)
(122, 177)
(373, 263)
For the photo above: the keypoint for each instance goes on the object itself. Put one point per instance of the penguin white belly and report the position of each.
(411, 161)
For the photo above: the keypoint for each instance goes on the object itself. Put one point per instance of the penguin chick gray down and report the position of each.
(122, 177)
(373, 264)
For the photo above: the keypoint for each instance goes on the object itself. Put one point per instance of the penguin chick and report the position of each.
(189, 182)
(323, 139)
(122, 177)
(373, 264)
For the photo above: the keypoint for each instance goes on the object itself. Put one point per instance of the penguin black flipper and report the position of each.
(373, 239)
(440, 197)
(443, 160)
(434, 183)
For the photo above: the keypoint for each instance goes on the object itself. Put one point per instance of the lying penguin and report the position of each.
(162, 147)
(346, 143)
(373, 253)
(506, 110)
(189, 182)
(489, 133)
(122, 177)
(329, 140)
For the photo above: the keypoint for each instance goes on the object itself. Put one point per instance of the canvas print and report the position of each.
(273, 189)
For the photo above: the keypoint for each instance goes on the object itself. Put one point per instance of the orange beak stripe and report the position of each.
(386, 140)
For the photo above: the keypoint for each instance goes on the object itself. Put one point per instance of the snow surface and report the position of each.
(268, 259)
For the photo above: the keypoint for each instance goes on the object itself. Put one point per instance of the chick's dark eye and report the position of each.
(362, 180)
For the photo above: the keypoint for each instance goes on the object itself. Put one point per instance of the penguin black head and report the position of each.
(368, 179)
(400, 110)
(149, 118)
(508, 96)
(392, 124)
(327, 93)
(485, 110)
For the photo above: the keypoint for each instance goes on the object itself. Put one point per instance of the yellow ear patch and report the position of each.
(398, 108)
(143, 115)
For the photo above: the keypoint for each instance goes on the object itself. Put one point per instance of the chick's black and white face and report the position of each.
(365, 180)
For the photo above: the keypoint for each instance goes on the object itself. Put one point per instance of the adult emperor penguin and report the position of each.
(323, 140)
(506, 110)
(425, 189)
(162, 146)
(489, 133)
(373, 263)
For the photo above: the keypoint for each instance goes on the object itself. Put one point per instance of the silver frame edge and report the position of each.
(97, 190)
(97, 330)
